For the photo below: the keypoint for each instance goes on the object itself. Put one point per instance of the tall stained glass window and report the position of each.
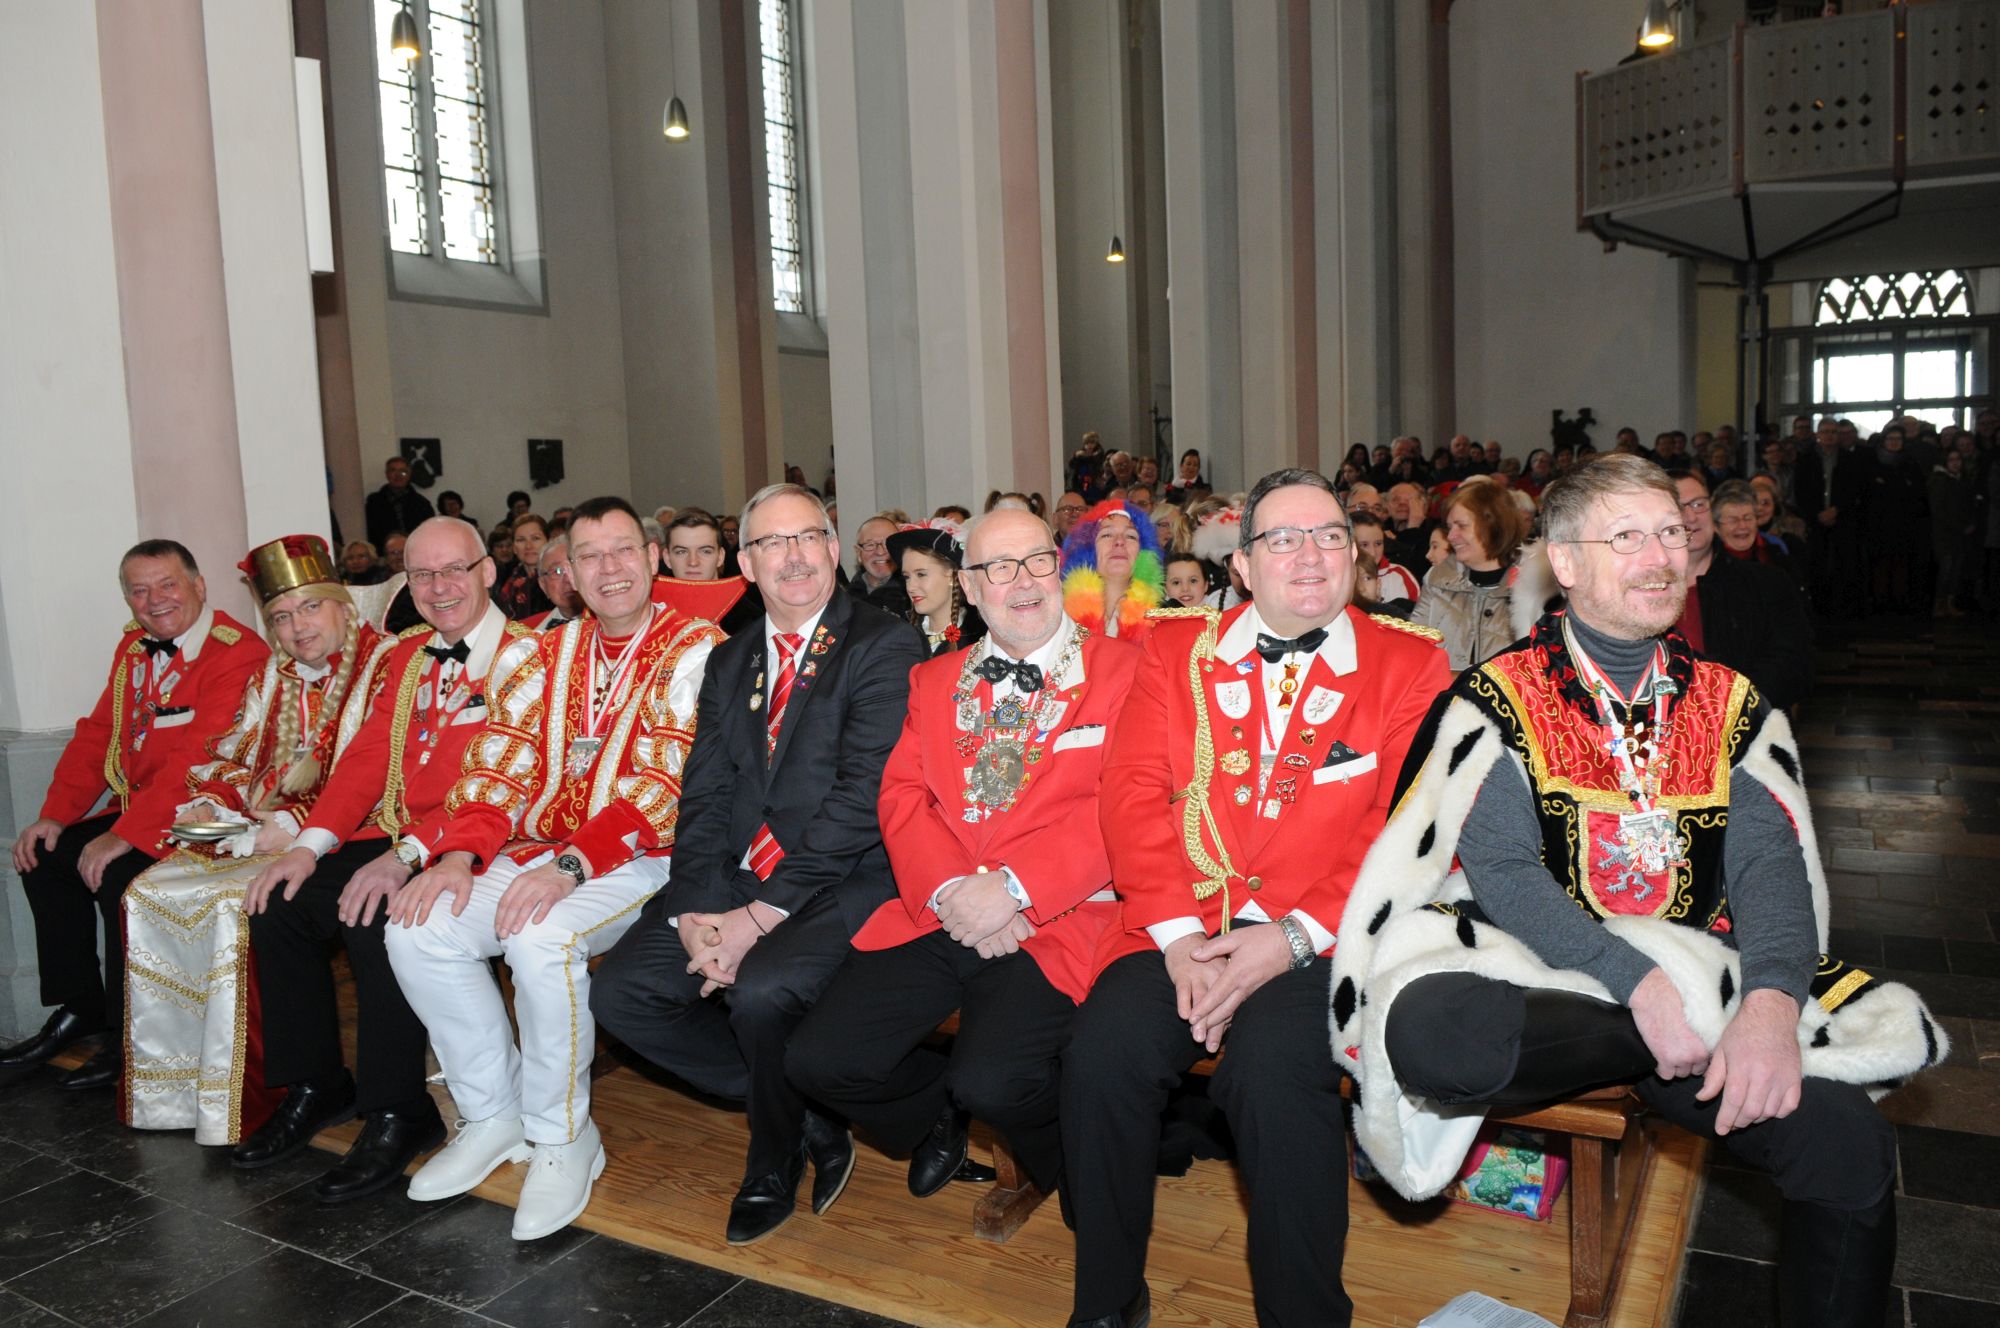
(777, 26)
(437, 133)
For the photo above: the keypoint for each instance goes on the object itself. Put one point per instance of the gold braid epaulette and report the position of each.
(1431, 634)
(114, 766)
(394, 815)
(1195, 815)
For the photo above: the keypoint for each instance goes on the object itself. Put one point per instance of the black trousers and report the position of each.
(1280, 1090)
(1451, 1032)
(730, 1044)
(292, 941)
(69, 919)
(861, 1050)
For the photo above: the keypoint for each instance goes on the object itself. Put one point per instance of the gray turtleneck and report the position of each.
(1763, 869)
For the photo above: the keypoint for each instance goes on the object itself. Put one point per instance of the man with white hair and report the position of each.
(557, 582)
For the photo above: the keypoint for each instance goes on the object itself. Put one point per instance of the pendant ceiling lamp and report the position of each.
(675, 123)
(404, 42)
(1655, 30)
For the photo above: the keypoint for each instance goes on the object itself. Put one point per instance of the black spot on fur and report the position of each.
(1465, 936)
(1381, 917)
(1364, 1000)
(1429, 841)
(1728, 988)
(1343, 1002)
(1930, 1041)
(1820, 1039)
(1786, 761)
(1463, 750)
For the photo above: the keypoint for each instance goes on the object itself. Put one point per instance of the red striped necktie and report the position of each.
(764, 851)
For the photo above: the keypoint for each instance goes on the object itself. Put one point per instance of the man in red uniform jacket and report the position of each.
(176, 678)
(383, 803)
(1003, 888)
(1248, 773)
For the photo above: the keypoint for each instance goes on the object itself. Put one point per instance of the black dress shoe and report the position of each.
(765, 1202)
(388, 1143)
(64, 1029)
(100, 1071)
(831, 1148)
(306, 1110)
(941, 1153)
(975, 1173)
(1137, 1313)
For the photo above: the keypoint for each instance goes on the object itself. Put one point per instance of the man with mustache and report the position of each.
(1248, 770)
(363, 841)
(176, 678)
(779, 858)
(988, 811)
(558, 829)
(1640, 902)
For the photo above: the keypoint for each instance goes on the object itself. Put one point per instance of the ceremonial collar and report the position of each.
(195, 637)
(1556, 663)
(482, 642)
(1240, 640)
(1043, 657)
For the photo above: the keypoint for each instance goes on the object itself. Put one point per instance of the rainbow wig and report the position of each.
(1083, 584)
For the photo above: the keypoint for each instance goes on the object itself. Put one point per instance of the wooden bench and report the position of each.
(1610, 1150)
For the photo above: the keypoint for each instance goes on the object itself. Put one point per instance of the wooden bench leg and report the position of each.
(1013, 1197)
(1606, 1180)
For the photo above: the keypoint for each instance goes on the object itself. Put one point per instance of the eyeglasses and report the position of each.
(450, 572)
(1333, 537)
(1629, 542)
(1002, 571)
(809, 541)
(871, 546)
(614, 557)
(1694, 505)
(310, 609)
(558, 573)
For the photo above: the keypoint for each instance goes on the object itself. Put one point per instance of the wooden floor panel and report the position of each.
(674, 1163)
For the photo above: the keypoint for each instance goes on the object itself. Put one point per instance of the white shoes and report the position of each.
(557, 1187)
(478, 1150)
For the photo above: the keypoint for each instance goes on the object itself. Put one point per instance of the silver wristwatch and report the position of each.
(1299, 939)
(571, 866)
(410, 854)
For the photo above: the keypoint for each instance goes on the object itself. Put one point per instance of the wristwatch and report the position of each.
(1299, 939)
(410, 854)
(571, 866)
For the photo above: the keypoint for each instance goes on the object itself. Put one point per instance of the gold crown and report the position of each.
(284, 565)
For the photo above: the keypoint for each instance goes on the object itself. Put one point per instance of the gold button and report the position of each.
(1255, 883)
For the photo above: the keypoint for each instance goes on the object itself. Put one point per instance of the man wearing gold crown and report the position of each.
(558, 830)
(1252, 759)
(194, 1022)
(360, 846)
(176, 678)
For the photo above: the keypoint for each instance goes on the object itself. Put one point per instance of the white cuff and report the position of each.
(319, 842)
(1166, 933)
(1322, 939)
(782, 913)
(422, 850)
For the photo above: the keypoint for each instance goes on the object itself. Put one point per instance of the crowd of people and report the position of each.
(1167, 772)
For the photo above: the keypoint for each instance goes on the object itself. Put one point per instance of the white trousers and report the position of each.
(442, 969)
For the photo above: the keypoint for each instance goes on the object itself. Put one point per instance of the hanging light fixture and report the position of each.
(1117, 254)
(675, 123)
(404, 42)
(1655, 30)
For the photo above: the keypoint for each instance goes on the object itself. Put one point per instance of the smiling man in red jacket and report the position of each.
(988, 812)
(1247, 774)
(176, 680)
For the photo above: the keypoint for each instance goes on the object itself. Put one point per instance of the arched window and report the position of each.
(777, 23)
(1943, 294)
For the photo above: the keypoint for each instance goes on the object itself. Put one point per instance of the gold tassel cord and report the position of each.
(1197, 820)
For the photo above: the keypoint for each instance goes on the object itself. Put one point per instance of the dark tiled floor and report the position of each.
(1899, 745)
(101, 1225)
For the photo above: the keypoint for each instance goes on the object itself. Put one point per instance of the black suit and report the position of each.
(1834, 553)
(817, 793)
(393, 511)
(1753, 619)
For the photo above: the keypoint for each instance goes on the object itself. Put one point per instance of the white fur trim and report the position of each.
(1535, 585)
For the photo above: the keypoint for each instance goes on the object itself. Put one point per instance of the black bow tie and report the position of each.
(445, 654)
(1027, 677)
(1275, 648)
(155, 646)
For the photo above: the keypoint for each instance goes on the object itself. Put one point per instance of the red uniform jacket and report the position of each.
(148, 729)
(1049, 837)
(1342, 770)
(360, 800)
